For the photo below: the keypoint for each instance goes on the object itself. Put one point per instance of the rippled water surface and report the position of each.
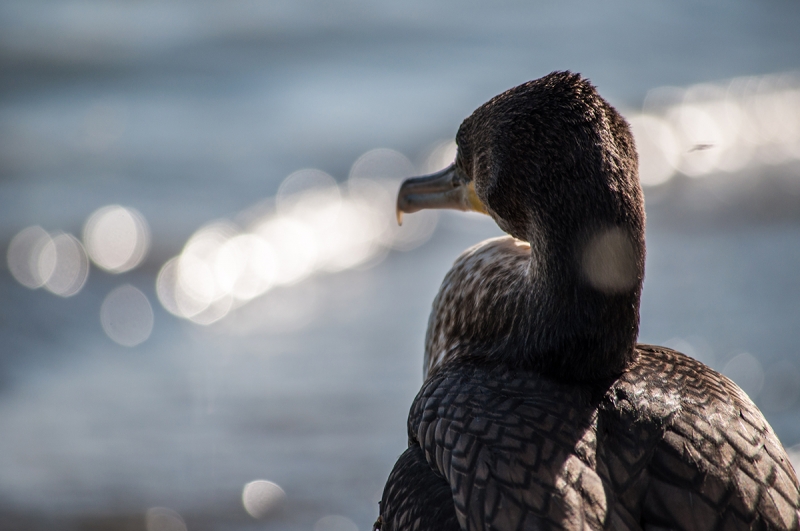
(195, 334)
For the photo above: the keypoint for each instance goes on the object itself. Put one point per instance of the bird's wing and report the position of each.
(671, 444)
(718, 464)
(517, 450)
(416, 498)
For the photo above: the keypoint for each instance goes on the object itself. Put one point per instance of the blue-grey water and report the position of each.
(188, 111)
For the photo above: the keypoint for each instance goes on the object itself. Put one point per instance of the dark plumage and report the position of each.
(539, 410)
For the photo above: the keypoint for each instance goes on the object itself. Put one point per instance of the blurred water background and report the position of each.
(208, 319)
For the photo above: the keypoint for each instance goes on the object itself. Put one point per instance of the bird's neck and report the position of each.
(584, 305)
(529, 305)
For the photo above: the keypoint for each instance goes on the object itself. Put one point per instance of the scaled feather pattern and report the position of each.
(539, 410)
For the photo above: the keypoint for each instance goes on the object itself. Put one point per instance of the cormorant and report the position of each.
(539, 410)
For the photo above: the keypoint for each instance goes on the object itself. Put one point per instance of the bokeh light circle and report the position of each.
(294, 245)
(117, 238)
(441, 156)
(657, 147)
(262, 498)
(315, 226)
(417, 229)
(166, 283)
(23, 255)
(126, 316)
(63, 265)
(245, 266)
(306, 191)
(382, 164)
(700, 138)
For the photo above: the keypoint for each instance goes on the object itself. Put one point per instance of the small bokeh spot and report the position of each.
(263, 498)
(23, 256)
(63, 265)
(126, 316)
(117, 238)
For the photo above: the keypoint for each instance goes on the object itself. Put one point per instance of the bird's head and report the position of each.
(553, 164)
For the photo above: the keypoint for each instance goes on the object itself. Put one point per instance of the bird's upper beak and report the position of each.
(447, 188)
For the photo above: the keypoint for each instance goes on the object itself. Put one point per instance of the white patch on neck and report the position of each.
(609, 261)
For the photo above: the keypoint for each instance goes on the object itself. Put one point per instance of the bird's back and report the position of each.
(645, 437)
(670, 444)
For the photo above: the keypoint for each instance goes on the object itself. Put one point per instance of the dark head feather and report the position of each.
(556, 166)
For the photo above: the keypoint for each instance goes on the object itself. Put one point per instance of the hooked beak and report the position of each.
(447, 188)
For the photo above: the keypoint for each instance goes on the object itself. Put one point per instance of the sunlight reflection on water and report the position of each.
(726, 127)
(57, 262)
(316, 226)
(126, 316)
(189, 111)
(116, 238)
(23, 256)
(63, 265)
(263, 498)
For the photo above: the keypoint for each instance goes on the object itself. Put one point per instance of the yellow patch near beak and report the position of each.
(475, 203)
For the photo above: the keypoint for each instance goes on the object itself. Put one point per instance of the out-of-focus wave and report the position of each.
(313, 225)
(718, 127)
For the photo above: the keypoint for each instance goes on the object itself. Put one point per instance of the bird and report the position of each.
(539, 409)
